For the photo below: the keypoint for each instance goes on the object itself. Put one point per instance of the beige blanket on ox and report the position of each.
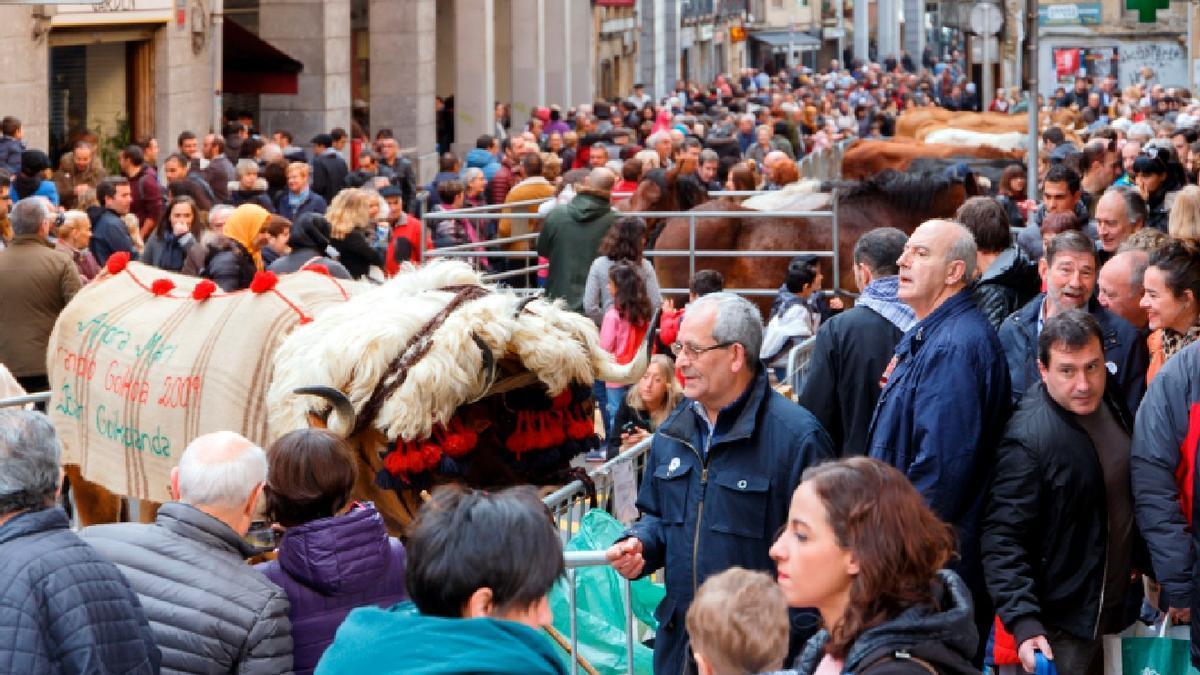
(135, 375)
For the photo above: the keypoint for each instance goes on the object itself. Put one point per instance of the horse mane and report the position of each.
(904, 191)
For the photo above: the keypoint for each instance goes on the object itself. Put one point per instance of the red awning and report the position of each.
(253, 66)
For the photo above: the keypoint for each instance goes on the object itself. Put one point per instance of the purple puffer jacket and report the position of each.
(328, 567)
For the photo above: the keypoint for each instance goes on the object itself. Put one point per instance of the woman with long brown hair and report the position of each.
(863, 548)
(1011, 194)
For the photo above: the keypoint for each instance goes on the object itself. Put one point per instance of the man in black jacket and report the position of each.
(1059, 541)
(853, 348)
(1007, 277)
(329, 169)
(63, 608)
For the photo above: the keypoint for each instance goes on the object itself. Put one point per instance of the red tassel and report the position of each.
(116, 262)
(263, 281)
(562, 399)
(394, 462)
(517, 442)
(162, 286)
(204, 290)
(556, 434)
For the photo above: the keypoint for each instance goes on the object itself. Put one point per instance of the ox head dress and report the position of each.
(449, 379)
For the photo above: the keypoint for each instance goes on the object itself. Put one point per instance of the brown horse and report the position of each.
(887, 199)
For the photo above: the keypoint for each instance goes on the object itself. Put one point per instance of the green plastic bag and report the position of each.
(1167, 654)
(599, 608)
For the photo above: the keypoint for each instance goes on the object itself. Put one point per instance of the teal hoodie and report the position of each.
(401, 640)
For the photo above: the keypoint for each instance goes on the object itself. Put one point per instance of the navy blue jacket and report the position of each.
(1124, 350)
(941, 414)
(110, 235)
(64, 608)
(314, 203)
(703, 513)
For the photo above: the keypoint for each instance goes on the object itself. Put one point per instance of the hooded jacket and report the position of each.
(710, 503)
(851, 352)
(1166, 437)
(480, 158)
(328, 567)
(1011, 281)
(402, 640)
(10, 154)
(570, 239)
(1124, 350)
(309, 241)
(943, 636)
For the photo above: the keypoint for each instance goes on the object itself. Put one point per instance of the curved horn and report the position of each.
(609, 370)
(490, 366)
(344, 415)
(525, 303)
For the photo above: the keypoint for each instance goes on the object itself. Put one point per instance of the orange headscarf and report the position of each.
(243, 226)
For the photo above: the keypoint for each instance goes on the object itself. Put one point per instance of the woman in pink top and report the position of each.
(862, 547)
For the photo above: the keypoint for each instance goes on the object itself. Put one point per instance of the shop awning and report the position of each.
(783, 38)
(254, 66)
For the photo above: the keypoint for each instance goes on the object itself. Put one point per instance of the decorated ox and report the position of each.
(436, 377)
(455, 379)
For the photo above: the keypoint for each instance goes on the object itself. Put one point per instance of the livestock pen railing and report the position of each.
(613, 487)
(489, 249)
(824, 164)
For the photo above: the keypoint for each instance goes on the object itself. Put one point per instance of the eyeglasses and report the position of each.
(693, 352)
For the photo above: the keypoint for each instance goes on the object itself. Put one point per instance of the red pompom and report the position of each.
(429, 456)
(263, 282)
(116, 262)
(162, 286)
(460, 443)
(204, 289)
(561, 400)
(319, 269)
(395, 462)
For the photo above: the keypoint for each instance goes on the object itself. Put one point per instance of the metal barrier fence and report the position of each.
(799, 358)
(483, 249)
(574, 560)
(824, 164)
(27, 399)
(612, 481)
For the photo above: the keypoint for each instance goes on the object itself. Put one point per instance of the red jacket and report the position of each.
(410, 232)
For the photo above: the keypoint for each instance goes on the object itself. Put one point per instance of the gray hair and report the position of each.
(271, 152)
(29, 461)
(220, 469)
(1136, 210)
(470, 173)
(656, 137)
(737, 320)
(963, 248)
(29, 215)
(709, 155)
(220, 212)
(245, 166)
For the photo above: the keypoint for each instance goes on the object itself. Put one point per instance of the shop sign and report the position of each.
(114, 11)
(1069, 14)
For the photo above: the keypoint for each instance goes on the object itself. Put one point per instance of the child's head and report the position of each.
(628, 290)
(738, 624)
(705, 282)
(11, 126)
(803, 275)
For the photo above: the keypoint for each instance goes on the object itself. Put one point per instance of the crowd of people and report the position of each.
(991, 457)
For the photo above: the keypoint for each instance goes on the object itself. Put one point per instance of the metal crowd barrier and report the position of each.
(799, 359)
(27, 399)
(569, 503)
(575, 560)
(483, 249)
